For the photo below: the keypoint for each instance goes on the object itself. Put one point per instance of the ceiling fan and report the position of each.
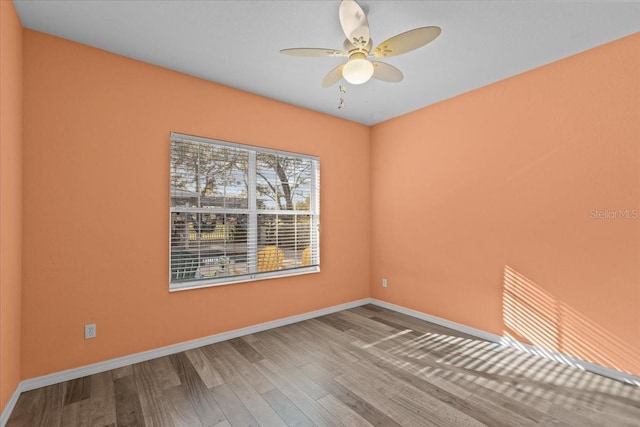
(357, 47)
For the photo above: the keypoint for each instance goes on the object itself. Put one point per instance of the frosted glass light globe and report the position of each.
(357, 71)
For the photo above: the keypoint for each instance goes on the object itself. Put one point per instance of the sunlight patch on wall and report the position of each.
(533, 315)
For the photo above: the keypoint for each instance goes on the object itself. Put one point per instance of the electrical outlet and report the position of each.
(384, 283)
(89, 331)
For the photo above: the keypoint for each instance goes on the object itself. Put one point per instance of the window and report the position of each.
(240, 213)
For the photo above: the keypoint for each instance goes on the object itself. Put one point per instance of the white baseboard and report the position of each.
(4, 415)
(547, 354)
(439, 321)
(119, 362)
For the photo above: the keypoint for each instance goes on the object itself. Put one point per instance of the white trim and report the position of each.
(251, 277)
(175, 136)
(71, 374)
(565, 359)
(507, 342)
(439, 321)
(11, 403)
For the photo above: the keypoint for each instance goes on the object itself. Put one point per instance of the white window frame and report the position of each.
(252, 211)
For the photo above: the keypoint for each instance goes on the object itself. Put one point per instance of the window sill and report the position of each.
(230, 280)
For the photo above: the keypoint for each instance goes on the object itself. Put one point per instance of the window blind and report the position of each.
(240, 213)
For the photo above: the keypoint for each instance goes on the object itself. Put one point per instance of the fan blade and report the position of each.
(354, 23)
(333, 77)
(313, 52)
(406, 42)
(386, 72)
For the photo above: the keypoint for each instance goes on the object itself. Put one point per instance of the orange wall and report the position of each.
(10, 199)
(481, 207)
(96, 205)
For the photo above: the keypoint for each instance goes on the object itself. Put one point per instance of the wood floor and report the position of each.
(360, 367)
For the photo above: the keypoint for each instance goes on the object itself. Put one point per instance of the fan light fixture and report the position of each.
(358, 46)
(357, 71)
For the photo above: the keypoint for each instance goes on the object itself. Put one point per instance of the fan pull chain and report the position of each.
(341, 89)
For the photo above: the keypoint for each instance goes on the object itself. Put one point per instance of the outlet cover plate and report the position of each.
(89, 331)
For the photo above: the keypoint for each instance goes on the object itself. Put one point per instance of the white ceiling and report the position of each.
(237, 43)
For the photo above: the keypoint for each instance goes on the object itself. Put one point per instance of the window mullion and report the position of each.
(314, 206)
(252, 231)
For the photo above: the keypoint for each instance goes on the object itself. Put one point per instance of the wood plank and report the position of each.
(362, 311)
(306, 404)
(102, 408)
(164, 372)
(197, 392)
(286, 409)
(18, 421)
(76, 390)
(150, 393)
(344, 413)
(233, 409)
(499, 410)
(396, 325)
(373, 308)
(548, 421)
(76, 414)
(255, 404)
(328, 333)
(350, 399)
(275, 350)
(339, 324)
(588, 417)
(316, 350)
(50, 413)
(311, 388)
(238, 366)
(208, 374)
(220, 363)
(511, 396)
(180, 408)
(124, 371)
(27, 405)
(377, 395)
(418, 324)
(128, 409)
(246, 350)
(339, 345)
(367, 323)
(404, 401)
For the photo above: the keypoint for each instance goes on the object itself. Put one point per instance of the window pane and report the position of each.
(300, 183)
(282, 241)
(205, 175)
(283, 182)
(184, 161)
(267, 182)
(205, 245)
(224, 176)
